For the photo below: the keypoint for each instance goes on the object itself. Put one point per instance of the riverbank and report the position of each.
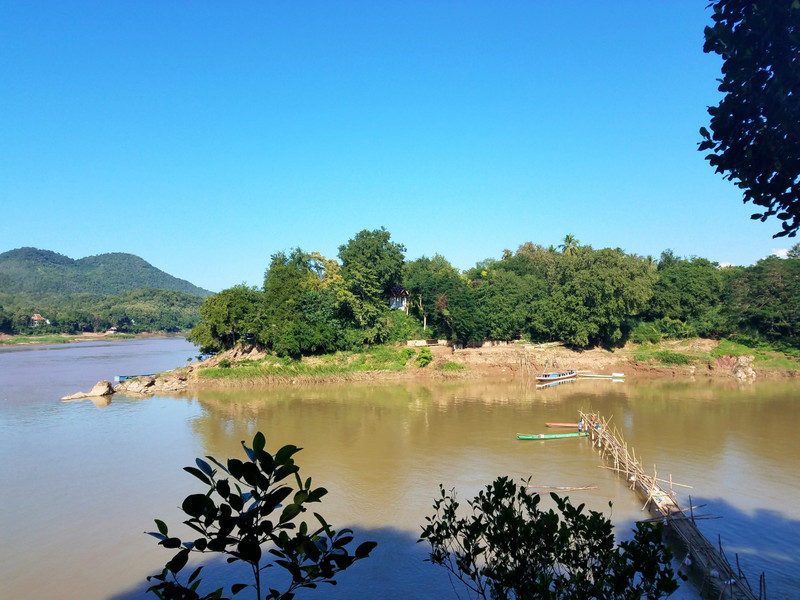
(248, 367)
(64, 338)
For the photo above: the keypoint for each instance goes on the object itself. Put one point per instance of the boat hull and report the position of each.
(550, 436)
(560, 376)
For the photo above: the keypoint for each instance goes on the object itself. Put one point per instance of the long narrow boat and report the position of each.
(599, 376)
(556, 376)
(573, 425)
(550, 436)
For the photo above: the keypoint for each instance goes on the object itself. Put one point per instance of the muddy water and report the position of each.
(80, 483)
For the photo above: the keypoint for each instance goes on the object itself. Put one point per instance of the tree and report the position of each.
(239, 514)
(371, 265)
(755, 129)
(507, 548)
(228, 316)
(794, 251)
(570, 245)
(425, 279)
(592, 294)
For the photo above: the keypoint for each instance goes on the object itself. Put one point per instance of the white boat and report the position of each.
(557, 376)
(598, 376)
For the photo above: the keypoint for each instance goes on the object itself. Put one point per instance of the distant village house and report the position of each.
(38, 319)
(398, 298)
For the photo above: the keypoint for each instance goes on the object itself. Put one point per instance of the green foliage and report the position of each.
(672, 358)
(224, 364)
(251, 506)
(424, 357)
(42, 272)
(371, 265)
(754, 129)
(310, 305)
(506, 547)
(451, 366)
(666, 357)
(401, 327)
(408, 353)
(765, 300)
(332, 366)
(135, 311)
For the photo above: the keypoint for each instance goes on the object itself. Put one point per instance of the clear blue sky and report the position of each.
(205, 136)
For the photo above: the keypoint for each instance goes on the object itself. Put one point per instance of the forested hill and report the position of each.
(34, 271)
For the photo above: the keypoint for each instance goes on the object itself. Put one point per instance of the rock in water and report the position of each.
(101, 388)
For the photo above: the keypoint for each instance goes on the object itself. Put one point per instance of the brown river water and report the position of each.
(80, 483)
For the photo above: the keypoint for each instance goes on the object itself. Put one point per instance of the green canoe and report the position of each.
(549, 436)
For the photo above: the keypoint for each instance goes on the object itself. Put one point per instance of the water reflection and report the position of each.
(94, 479)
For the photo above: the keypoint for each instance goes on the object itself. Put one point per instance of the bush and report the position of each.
(249, 507)
(503, 546)
(671, 358)
(424, 357)
(224, 364)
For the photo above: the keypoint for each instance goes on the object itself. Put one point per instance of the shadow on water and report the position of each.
(760, 549)
(396, 568)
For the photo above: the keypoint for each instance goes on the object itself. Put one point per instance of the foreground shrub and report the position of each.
(239, 514)
(504, 547)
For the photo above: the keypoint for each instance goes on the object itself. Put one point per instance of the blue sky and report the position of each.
(205, 136)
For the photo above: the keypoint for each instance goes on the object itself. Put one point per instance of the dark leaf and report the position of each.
(194, 505)
(194, 574)
(162, 527)
(204, 467)
(364, 549)
(259, 442)
(199, 474)
(178, 561)
(238, 587)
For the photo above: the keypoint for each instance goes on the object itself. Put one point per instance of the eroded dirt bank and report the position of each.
(505, 360)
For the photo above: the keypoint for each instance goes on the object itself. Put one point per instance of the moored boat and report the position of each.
(556, 376)
(599, 376)
(573, 425)
(550, 436)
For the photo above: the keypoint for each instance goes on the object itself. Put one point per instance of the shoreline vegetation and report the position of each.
(246, 366)
(65, 338)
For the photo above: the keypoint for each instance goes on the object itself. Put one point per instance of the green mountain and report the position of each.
(34, 271)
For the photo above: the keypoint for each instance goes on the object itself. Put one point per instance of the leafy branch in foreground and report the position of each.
(235, 518)
(506, 547)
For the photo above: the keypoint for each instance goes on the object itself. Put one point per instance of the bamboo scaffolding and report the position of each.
(718, 577)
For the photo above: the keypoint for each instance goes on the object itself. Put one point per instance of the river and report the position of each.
(81, 482)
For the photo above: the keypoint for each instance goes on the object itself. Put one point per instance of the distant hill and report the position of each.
(34, 271)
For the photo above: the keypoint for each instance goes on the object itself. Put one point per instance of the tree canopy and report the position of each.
(755, 129)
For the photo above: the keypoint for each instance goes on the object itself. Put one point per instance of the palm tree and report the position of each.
(570, 245)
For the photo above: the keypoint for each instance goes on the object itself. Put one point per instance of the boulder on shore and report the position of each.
(101, 388)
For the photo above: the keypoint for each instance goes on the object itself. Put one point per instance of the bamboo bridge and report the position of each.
(703, 563)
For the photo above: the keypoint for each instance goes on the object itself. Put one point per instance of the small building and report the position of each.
(38, 319)
(398, 298)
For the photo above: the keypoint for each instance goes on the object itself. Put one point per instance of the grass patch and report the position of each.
(764, 354)
(452, 366)
(664, 357)
(38, 339)
(329, 366)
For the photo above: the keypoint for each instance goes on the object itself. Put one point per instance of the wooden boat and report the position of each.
(550, 436)
(573, 425)
(598, 376)
(557, 376)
